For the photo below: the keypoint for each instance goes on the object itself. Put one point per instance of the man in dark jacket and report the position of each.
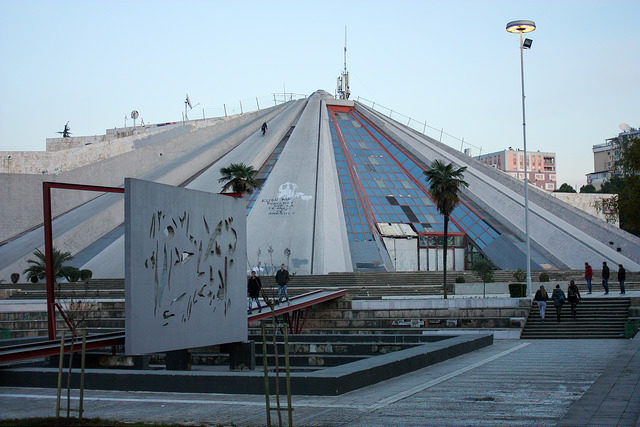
(282, 278)
(605, 277)
(622, 276)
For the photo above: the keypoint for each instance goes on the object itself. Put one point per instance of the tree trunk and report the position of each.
(444, 255)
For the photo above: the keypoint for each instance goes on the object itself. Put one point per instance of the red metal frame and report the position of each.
(296, 314)
(48, 241)
(52, 347)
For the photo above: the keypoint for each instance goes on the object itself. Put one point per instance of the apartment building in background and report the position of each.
(606, 155)
(541, 166)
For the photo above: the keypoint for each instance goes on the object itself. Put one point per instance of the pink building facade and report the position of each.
(541, 167)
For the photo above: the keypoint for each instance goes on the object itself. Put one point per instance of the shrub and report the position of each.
(520, 275)
(460, 279)
(86, 274)
(15, 277)
(34, 279)
(544, 277)
(73, 275)
(517, 290)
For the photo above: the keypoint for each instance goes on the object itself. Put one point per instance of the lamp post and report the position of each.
(524, 26)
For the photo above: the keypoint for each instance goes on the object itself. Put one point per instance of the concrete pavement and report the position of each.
(513, 382)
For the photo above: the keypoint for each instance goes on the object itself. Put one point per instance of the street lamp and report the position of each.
(524, 26)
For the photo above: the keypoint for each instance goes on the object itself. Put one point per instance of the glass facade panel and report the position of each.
(396, 181)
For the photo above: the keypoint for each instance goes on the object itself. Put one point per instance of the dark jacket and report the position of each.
(253, 286)
(539, 296)
(573, 294)
(282, 277)
(558, 297)
(622, 274)
(605, 272)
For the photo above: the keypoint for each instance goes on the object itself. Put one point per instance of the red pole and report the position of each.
(48, 241)
(48, 257)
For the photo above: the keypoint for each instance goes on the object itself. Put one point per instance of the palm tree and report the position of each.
(238, 177)
(37, 269)
(444, 184)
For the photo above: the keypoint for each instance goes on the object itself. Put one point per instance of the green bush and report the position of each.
(517, 290)
(544, 277)
(520, 275)
(460, 279)
(34, 279)
(86, 274)
(73, 275)
(15, 277)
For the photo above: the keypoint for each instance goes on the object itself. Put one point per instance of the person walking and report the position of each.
(588, 275)
(282, 278)
(541, 298)
(264, 128)
(605, 278)
(622, 276)
(253, 288)
(574, 297)
(559, 299)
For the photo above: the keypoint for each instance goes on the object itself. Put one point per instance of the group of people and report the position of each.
(573, 296)
(559, 298)
(254, 285)
(622, 276)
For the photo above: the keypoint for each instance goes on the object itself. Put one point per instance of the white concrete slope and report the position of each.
(190, 153)
(287, 219)
(563, 235)
(253, 150)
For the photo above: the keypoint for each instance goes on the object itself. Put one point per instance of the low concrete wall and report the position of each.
(587, 203)
(412, 303)
(503, 288)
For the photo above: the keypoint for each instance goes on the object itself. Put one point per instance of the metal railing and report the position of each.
(242, 106)
(422, 127)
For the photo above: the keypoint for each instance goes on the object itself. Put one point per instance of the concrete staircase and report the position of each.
(104, 311)
(596, 318)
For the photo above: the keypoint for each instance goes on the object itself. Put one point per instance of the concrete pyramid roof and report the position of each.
(331, 171)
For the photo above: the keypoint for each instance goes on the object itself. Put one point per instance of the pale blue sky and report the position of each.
(450, 63)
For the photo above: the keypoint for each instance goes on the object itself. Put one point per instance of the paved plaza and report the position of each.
(512, 382)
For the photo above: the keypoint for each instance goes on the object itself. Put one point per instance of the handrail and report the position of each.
(423, 125)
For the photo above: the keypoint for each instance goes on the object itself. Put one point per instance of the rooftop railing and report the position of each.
(422, 127)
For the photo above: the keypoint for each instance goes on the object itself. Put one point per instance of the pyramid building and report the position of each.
(341, 189)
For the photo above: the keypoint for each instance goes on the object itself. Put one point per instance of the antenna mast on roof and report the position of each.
(343, 81)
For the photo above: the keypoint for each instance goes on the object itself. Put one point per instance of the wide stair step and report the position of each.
(595, 318)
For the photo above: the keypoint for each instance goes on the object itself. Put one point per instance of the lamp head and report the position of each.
(521, 26)
(526, 44)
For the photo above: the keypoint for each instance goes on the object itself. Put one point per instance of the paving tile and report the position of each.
(509, 383)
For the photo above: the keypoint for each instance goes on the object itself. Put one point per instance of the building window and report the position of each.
(550, 186)
(552, 177)
(521, 175)
(540, 177)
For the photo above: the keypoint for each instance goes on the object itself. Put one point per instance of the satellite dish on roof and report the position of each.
(625, 127)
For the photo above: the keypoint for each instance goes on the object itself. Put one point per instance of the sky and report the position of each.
(450, 64)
